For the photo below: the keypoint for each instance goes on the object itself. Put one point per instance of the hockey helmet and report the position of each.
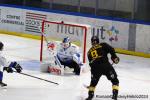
(1, 46)
(94, 40)
(66, 42)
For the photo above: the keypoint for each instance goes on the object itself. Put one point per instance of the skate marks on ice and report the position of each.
(3, 90)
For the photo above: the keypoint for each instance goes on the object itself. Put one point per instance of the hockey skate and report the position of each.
(91, 95)
(115, 94)
(88, 98)
(77, 71)
(114, 97)
(2, 84)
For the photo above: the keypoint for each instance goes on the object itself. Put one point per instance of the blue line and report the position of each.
(78, 14)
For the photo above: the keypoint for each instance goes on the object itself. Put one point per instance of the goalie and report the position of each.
(69, 56)
(7, 66)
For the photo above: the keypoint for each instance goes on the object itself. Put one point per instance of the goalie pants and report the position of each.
(99, 69)
(72, 64)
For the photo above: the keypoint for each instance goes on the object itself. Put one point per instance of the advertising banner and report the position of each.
(33, 21)
(116, 33)
(12, 19)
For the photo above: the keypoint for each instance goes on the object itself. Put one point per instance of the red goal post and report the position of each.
(56, 31)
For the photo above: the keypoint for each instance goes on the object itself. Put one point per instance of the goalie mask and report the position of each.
(66, 42)
(1, 46)
(94, 40)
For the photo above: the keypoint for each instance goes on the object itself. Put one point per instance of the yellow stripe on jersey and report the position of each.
(115, 87)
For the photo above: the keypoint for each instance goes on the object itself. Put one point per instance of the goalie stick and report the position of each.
(37, 77)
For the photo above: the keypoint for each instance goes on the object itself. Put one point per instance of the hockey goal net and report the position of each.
(79, 35)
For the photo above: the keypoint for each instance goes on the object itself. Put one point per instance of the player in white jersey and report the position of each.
(7, 66)
(69, 55)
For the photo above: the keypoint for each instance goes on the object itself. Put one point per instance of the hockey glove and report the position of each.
(16, 66)
(115, 60)
(8, 69)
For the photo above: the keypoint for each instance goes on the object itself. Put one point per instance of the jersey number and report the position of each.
(94, 54)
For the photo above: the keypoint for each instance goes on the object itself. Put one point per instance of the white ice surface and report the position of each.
(133, 73)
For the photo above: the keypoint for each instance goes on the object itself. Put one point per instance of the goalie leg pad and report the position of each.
(54, 70)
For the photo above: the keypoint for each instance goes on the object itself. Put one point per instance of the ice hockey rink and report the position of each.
(133, 73)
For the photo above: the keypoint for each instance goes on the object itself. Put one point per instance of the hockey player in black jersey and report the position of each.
(100, 65)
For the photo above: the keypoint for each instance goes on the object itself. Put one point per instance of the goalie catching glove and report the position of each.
(14, 65)
(115, 60)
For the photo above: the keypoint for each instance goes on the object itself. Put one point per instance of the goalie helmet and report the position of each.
(94, 40)
(1, 46)
(66, 42)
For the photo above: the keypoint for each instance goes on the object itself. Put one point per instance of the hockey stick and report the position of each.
(58, 62)
(86, 86)
(37, 78)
